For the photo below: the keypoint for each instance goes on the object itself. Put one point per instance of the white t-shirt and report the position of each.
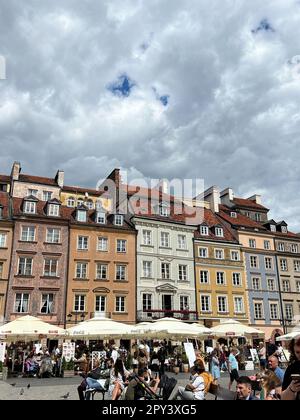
(199, 385)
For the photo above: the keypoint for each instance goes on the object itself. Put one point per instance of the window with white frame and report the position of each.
(1, 270)
(286, 286)
(120, 303)
(25, 266)
(252, 243)
(121, 246)
(22, 303)
(271, 285)
(219, 232)
(184, 303)
(182, 272)
(297, 265)
(258, 217)
(236, 279)
(284, 229)
(147, 302)
(102, 244)
(233, 214)
(164, 211)
(81, 270)
(182, 244)
(164, 239)
(238, 305)
(83, 243)
(80, 201)
(274, 311)
(219, 254)
(253, 261)
(79, 303)
(28, 234)
(101, 218)
(235, 256)
(33, 192)
(101, 271)
(53, 236)
(165, 271)
(71, 202)
(297, 285)
(203, 252)
(281, 247)
(256, 283)
(53, 210)
(289, 311)
(204, 277)
(258, 310)
(47, 306)
(283, 265)
(273, 228)
(30, 207)
(3, 237)
(50, 267)
(118, 220)
(81, 216)
(90, 204)
(147, 269)
(47, 195)
(222, 304)
(294, 248)
(220, 278)
(147, 237)
(267, 245)
(268, 263)
(120, 272)
(204, 230)
(205, 303)
(100, 303)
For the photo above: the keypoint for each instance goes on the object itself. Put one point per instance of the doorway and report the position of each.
(167, 305)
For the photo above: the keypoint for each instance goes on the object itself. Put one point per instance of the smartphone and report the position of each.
(295, 377)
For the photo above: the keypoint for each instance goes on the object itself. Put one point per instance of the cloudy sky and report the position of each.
(163, 88)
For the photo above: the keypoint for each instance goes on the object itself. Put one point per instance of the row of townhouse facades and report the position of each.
(68, 253)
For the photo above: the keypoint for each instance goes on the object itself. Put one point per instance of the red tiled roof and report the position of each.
(212, 219)
(4, 178)
(287, 235)
(150, 193)
(82, 190)
(241, 202)
(37, 180)
(240, 220)
(4, 202)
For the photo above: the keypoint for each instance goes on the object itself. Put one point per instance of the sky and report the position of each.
(162, 88)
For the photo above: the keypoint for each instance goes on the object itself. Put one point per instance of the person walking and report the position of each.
(233, 367)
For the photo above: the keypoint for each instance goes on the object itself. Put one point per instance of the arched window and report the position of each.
(90, 204)
(71, 202)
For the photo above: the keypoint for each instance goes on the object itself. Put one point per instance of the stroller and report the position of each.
(166, 387)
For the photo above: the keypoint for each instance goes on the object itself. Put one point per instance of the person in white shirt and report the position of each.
(194, 390)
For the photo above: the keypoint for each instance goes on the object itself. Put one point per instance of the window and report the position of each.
(297, 265)
(203, 252)
(102, 244)
(101, 218)
(222, 304)
(118, 220)
(219, 254)
(274, 313)
(165, 271)
(147, 269)
(164, 239)
(267, 245)
(253, 262)
(205, 303)
(53, 210)
(53, 236)
(121, 246)
(79, 304)
(289, 311)
(233, 214)
(236, 279)
(184, 303)
(252, 243)
(22, 303)
(286, 286)
(47, 195)
(268, 263)
(284, 229)
(28, 234)
(25, 266)
(1, 212)
(297, 284)
(80, 201)
(81, 270)
(204, 230)
(147, 239)
(120, 272)
(258, 310)
(164, 211)
(271, 285)
(256, 283)
(204, 277)
(1, 270)
(50, 267)
(182, 242)
(294, 249)
(273, 228)
(220, 278)
(281, 247)
(33, 192)
(71, 202)
(83, 243)
(235, 255)
(2, 240)
(100, 304)
(47, 303)
(101, 271)
(90, 204)
(257, 217)
(284, 265)
(30, 207)
(182, 274)
(239, 305)
(81, 216)
(120, 304)
(219, 232)
(147, 302)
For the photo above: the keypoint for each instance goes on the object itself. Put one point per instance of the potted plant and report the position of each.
(185, 363)
(67, 368)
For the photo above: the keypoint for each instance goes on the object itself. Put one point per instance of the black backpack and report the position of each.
(167, 386)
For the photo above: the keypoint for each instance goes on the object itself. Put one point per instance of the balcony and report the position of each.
(154, 314)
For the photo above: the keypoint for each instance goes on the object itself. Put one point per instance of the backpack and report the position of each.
(167, 385)
(208, 380)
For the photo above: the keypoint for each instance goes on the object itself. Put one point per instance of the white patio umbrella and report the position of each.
(29, 327)
(233, 328)
(295, 333)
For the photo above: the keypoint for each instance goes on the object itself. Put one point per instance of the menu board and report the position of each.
(68, 351)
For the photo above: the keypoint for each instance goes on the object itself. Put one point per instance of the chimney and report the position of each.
(212, 195)
(15, 172)
(115, 176)
(256, 198)
(60, 178)
(227, 197)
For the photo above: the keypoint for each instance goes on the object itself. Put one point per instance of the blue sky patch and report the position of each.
(122, 87)
(164, 99)
(263, 26)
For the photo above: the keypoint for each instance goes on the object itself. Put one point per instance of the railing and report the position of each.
(100, 314)
(154, 314)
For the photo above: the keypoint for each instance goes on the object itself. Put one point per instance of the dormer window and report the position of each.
(30, 207)
(233, 214)
(284, 229)
(219, 232)
(53, 210)
(273, 228)
(164, 210)
(81, 216)
(100, 218)
(257, 217)
(118, 220)
(204, 230)
(1, 212)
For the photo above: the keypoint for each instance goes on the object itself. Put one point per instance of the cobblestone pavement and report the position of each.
(56, 388)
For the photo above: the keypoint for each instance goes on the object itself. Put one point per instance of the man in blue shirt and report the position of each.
(274, 366)
(233, 367)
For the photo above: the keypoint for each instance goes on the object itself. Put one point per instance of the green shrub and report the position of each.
(67, 365)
